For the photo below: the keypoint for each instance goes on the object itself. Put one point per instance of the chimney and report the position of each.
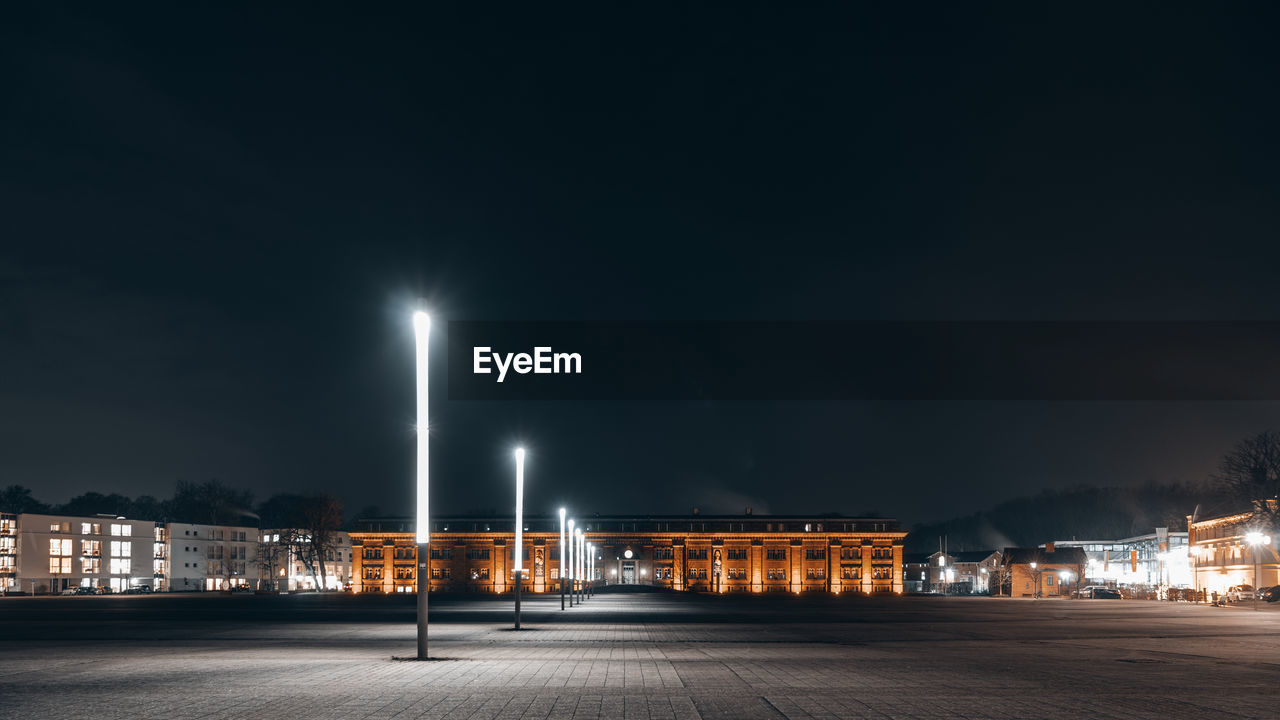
(748, 509)
(1048, 547)
(695, 511)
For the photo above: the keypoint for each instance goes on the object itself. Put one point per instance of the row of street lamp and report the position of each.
(577, 555)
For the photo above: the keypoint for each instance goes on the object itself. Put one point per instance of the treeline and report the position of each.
(1082, 512)
(209, 502)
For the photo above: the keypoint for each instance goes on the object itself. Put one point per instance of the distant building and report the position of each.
(211, 557)
(915, 572)
(1155, 560)
(961, 573)
(1044, 572)
(287, 564)
(740, 553)
(1222, 555)
(50, 553)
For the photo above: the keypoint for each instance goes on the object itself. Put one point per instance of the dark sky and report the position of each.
(215, 223)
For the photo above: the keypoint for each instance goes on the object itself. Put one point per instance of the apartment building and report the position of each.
(211, 557)
(52, 553)
(287, 563)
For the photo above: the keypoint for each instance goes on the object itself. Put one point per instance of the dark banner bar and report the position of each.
(864, 361)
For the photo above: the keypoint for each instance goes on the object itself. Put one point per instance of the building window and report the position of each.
(404, 553)
(555, 573)
(90, 528)
(776, 554)
(480, 573)
(849, 553)
(815, 554)
(372, 572)
(91, 548)
(441, 553)
(662, 553)
(848, 573)
(478, 554)
(91, 565)
(404, 572)
(776, 574)
(737, 553)
(815, 574)
(698, 554)
(120, 530)
(662, 573)
(121, 566)
(697, 573)
(373, 553)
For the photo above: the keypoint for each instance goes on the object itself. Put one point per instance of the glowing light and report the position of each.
(627, 554)
(572, 541)
(519, 559)
(422, 336)
(562, 542)
(1256, 538)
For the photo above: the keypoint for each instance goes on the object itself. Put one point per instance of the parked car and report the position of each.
(1271, 594)
(70, 591)
(86, 591)
(1237, 593)
(139, 590)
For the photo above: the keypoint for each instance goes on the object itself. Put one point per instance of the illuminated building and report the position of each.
(211, 557)
(705, 553)
(1045, 572)
(52, 553)
(1156, 560)
(1221, 555)
(960, 573)
(287, 563)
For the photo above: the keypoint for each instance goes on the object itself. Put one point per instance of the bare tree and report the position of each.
(322, 515)
(1250, 473)
(1000, 575)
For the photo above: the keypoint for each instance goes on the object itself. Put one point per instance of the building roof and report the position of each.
(1060, 556)
(916, 558)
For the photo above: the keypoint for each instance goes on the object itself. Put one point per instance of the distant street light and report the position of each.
(1255, 539)
(519, 548)
(591, 568)
(578, 567)
(561, 573)
(569, 567)
(422, 336)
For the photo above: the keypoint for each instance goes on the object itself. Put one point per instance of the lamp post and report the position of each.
(591, 569)
(1037, 577)
(422, 336)
(561, 572)
(1064, 576)
(569, 567)
(578, 549)
(1255, 539)
(518, 552)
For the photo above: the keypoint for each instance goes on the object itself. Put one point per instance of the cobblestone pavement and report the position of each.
(635, 656)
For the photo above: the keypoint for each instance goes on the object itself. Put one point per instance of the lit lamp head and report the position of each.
(1033, 566)
(1256, 538)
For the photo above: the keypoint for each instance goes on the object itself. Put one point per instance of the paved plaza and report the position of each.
(635, 655)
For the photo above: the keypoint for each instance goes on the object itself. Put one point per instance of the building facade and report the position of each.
(695, 552)
(211, 557)
(960, 573)
(1222, 554)
(287, 564)
(52, 553)
(1154, 561)
(1044, 572)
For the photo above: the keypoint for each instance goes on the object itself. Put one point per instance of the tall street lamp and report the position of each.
(519, 548)
(561, 571)
(1254, 539)
(591, 569)
(422, 336)
(578, 550)
(569, 567)
(1037, 577)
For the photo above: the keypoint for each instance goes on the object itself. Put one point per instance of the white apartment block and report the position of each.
(212, 557)
(52, 553)
(283, 568)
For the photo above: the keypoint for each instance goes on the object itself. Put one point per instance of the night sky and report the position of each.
(216, 222)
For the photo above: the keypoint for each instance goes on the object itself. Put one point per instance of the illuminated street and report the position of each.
(644, 655)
